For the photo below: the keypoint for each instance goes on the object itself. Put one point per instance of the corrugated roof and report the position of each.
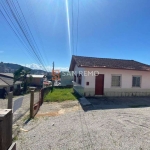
(2, 83)
(9, 81)
(82, 61)
(7, 74)
(36, 76)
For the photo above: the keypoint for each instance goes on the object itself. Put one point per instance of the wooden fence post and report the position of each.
(5, 129)
(10, 100)
(31, 103)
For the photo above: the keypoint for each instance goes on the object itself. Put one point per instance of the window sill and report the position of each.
(136, 87)
(115, 86)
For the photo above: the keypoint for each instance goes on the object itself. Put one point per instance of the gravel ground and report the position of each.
(120, 128)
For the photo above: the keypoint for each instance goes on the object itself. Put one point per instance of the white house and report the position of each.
(110, 77)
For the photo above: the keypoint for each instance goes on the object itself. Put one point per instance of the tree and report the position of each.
(21, 74)
(17, 74)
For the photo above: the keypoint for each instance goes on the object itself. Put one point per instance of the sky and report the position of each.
(97, 28)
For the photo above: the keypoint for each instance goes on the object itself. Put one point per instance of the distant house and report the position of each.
(66, 78)
(9, 75)
(110, 77)
(6, 80)
(35, 80)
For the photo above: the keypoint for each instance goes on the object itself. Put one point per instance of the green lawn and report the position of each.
(61, 94)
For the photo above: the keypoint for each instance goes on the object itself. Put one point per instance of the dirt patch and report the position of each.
(57, 113)
(50, 114)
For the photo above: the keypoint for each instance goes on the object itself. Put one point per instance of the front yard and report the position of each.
(109, 126)
(61, 94)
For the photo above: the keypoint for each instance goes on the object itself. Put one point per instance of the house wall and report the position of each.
(17, 86)
(35, 81)
(7, 88)
(126, 88)
(77, 87)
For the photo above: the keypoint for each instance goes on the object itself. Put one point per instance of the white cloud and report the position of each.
(49, 68)
(1, 51)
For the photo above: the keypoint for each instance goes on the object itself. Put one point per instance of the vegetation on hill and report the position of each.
(17, 66)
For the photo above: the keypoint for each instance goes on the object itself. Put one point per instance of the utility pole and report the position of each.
(53, 76)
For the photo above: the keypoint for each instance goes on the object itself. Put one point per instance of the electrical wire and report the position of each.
(27, 35)
(14, 28)
(77, 27)
(72, 27)
(36, 27)
(30, 32)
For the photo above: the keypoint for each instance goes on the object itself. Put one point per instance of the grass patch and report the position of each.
(61, 94)
(15, 138)
(25, 118)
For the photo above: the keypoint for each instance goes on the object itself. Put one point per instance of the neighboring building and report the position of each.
(9, 84)
(7, 81)
(66, 78)
(35, 80)
(110, 77)
(9, 75)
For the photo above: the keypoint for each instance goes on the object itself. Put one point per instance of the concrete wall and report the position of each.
(125, 89)
(66, 78)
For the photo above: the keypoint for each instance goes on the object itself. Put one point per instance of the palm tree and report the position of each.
(17, 74)
(24, 74)
(21, 74)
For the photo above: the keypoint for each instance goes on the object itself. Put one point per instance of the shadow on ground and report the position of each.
(116, 103)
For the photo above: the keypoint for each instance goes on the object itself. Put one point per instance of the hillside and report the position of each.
(14, 66)
(10, 68)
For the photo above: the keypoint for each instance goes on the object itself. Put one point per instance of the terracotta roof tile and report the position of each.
(93, 62)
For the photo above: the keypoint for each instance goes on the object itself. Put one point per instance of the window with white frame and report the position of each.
(136, 81)
(116, 81)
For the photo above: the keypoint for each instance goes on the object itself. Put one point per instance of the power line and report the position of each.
(35, 24)
(13, 27)
(77, 27)
(32, 38)
(23, 29)
(30, 31)
(72, 28)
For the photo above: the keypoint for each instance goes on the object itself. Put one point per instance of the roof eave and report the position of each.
(112, 68)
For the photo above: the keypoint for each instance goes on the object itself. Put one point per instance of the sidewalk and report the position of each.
(21, 105)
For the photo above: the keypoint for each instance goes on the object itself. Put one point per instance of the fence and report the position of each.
(35, 103)
(6, 103)
(6, 130)
(36, 100)
(43, 92)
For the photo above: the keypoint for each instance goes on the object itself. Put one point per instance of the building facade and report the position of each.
(133, 79)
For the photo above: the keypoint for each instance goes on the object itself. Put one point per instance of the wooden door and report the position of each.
(99, 84)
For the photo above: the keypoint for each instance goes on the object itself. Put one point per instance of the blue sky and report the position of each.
(106, 28)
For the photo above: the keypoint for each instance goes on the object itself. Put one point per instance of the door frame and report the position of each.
(101, 92)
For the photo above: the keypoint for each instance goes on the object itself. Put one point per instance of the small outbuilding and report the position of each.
(35, 80)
